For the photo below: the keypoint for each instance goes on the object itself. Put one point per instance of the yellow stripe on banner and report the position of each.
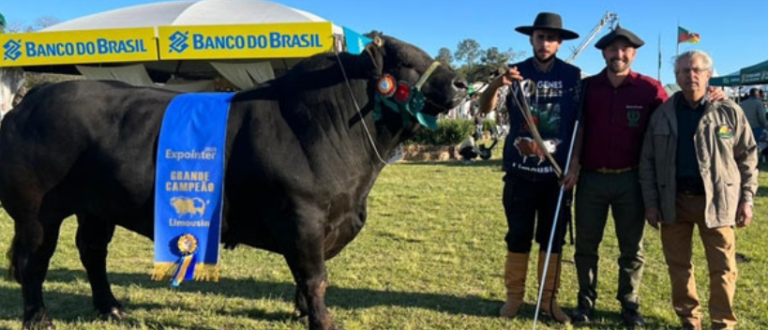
(75, 47)
(200, 42)
(203, 272)
(185, 261)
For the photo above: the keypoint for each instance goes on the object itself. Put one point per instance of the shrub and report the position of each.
(448, 132)
(487, 124)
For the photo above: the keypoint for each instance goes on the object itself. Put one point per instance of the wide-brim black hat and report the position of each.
(617, 33)
(548, 21)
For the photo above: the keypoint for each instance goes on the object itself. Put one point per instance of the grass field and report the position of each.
(430, 257)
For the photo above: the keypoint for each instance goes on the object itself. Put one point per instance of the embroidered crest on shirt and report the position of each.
(633, 115)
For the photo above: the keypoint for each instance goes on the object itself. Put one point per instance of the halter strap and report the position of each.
(426, 75)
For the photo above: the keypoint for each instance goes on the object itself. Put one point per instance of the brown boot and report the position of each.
(549, 306)
(514, 279)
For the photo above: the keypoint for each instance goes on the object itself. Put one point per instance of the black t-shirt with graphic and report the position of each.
(553, 100)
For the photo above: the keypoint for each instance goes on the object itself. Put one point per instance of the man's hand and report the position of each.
(571, 177)
(507, 78)
(654, 217)
(715, 94)
(744, 215)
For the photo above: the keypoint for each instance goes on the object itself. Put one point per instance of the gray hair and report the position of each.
(689, 55)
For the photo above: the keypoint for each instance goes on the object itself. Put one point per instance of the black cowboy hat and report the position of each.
(548, 21)
(617, 33)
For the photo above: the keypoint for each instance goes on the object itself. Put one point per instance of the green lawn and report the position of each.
(430, 257)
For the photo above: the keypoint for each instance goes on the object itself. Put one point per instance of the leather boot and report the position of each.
(549, 306)
(514, 279)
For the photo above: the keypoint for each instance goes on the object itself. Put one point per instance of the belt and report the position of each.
(604, 170)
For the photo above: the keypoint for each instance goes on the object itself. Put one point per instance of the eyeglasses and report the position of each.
(687, 71)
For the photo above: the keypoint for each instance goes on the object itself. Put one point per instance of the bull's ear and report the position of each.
(373, 57)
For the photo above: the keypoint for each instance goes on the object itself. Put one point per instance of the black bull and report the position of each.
(299, 167)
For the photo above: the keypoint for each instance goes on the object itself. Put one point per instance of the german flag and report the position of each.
(684, 35)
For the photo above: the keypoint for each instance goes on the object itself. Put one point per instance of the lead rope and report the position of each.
(357, 107)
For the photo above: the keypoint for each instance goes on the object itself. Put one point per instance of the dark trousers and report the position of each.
(597, 192)
(525, 202)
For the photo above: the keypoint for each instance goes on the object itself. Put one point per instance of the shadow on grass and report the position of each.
(80, 306)
(611, 320)
(762, 191)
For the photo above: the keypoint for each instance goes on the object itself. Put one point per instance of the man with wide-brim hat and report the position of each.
(531, 184)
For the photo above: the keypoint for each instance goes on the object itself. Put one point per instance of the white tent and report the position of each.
(177, 74)
(207, 12)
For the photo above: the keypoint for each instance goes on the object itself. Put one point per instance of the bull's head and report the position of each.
(413, 72)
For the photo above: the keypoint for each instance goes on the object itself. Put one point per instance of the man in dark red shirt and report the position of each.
(618, 104)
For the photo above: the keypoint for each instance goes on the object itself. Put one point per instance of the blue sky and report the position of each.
(733, 32)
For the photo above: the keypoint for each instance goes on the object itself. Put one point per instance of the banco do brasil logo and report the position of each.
(179, 41)
(12, 50)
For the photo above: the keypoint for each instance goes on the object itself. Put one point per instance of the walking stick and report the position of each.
(554, 228)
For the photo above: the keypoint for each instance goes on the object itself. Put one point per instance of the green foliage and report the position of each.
(468, 50)
(448, 132)
(487, 124)
(445, 57)
(479, 64)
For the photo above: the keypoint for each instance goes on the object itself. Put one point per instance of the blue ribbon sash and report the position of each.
(189, 187)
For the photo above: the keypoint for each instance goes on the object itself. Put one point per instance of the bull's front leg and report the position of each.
(308, 267)
(93, 237)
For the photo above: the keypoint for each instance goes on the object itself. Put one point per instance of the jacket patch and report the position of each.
(724, 132)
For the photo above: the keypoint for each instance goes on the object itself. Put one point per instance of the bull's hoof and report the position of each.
(30, 326)
(114, 314)
(43, 323)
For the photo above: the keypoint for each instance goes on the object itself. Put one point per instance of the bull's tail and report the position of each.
(11, 256)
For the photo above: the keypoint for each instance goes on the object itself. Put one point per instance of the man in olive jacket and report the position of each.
(698, 167)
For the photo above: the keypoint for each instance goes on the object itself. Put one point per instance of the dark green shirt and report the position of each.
(687, 121)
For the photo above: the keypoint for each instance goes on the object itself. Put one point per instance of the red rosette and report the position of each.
(403, 92)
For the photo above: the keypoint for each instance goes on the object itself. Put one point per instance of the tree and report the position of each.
(468, 50)
(45, 21)
(445, 57)
(492, 61)
(40, 23)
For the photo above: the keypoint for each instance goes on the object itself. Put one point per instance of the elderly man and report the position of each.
(755, 112)
(617, 107)
(698, 168)
(531, 186)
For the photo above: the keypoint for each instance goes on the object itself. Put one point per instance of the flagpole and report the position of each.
(678, 38)
(659, 72)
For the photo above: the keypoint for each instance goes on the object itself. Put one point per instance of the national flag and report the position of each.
(684, 35)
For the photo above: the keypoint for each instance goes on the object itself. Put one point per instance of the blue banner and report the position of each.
(189, 187)
(355, 41)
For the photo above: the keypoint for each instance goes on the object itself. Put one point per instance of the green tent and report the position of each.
(756, 74)
(729, 80)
